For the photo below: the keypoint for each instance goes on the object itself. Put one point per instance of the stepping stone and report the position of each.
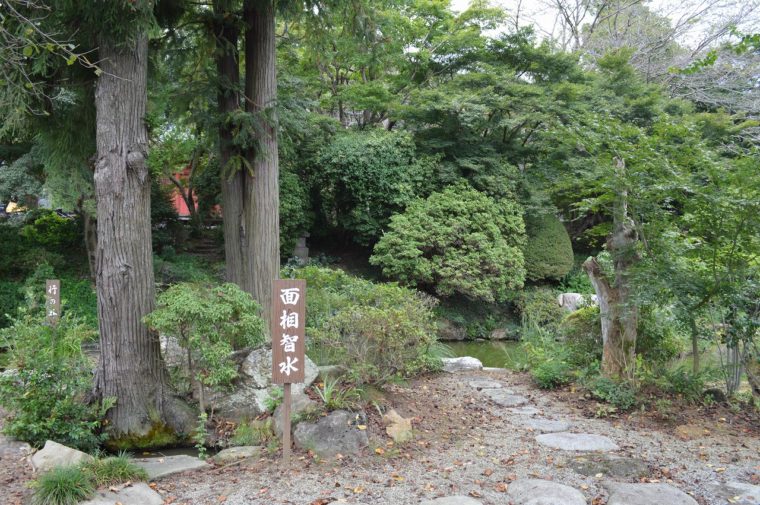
(233, 454)
(577, 442)
(505, 398)
(161, 467)
(738, 493)
(525, 411)
(136, 494)
(547, 425)
(10, 448)
(646, 494)
(543, 492)
(485, 384)
(611, 466)
(463, 364)
(452, 500)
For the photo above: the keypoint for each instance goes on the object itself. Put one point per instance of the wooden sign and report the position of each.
(288, 331)
(53, 300)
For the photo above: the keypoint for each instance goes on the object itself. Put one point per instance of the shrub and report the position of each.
(210, 322)
(660, 338)
(375, 331)
(457, 242)
(582, 334)
(47, 383)
(256, 432)
(181, 268)
(538, 306)
(53, 232)
(684, 382)
(620, 394)
(66, 485)
(295, 214)
(10, 300)
(551, 374)
(548, 251)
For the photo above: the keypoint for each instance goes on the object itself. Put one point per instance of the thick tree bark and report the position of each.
(131, 369)
(618, 311)
(261, 91)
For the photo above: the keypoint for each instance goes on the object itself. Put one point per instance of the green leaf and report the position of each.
(28, 51)
(71, 59)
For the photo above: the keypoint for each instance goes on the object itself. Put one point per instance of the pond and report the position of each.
(492, 353)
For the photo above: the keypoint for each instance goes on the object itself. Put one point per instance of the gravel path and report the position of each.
(468, 443)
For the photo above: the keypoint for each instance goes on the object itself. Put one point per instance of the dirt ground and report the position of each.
(465, 444)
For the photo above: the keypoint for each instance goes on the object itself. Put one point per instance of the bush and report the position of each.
(548, 251)
(173, 269)
(210, 322)
(551, 374)
(620, 394)
(457, 242)
(295, 214)
(684, 382)
(582, 334)
(53, 232)
(47, 383)
(66, 485)
(374, 331)
(113, 470)
(10, 300)
(538, 307)
(660, 338)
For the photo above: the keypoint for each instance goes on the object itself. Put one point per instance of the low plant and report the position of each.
(255, 432)
(551, 374)
(685, 383)
(620, 394)
(538, 307)
(200, 435)
(66, 485)
(335, 396)
(273, 400)
(113, 470)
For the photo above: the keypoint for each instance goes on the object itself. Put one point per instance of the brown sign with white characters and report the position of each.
(53, 300)
(288, 330)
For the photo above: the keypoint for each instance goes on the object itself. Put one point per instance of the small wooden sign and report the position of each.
(288, 331)
(53, 300)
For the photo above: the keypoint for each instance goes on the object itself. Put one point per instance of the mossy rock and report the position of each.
(159, 436)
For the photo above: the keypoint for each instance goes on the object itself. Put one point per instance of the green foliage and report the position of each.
(376, 332)
(478, 319)
(295, 214)
(65, 485)
(273, 399)
(582, 334)
(200, 435)
(46, 392)
(10, 300)
(457, 242)
(364, 178)
(548, 251)
(210, 322)
(660, 336)
(620, 394)
(53, 232)
(335, 396)
(538, 307)
(166, 230)
(576, 280)
(256, 432)
(173, 269)
(551, 374)
(113, 470)
(683, 382)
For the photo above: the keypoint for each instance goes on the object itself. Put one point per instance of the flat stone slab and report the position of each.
(232, 454)
(547, 425)
(505, 398)
(543, 492)
(485, 384)
(738, 493)
(452, 500)
(137, 494)
(463, 364)
(161, 467)
(610, 466)
(10, 448)
(525, 411)
(647, 494)
(577, 442)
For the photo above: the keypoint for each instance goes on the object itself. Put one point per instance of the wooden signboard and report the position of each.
(53, 300)
(288, 346)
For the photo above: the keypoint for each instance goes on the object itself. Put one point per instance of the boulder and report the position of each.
(173, 353)
(452, 500)
(232, 454)
(397, 427)
(646, 494)
(543, 492)
(577, 442)
(738, 493)
(340, 432)
(463, 364)
(167, 465)
(450, 331)
(54, 455)
(574, 301)
(300, 404)
(248, 398)
(136, 494)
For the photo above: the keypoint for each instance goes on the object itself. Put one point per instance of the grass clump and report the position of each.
(113, 470)
(63, 486)
(256, 432)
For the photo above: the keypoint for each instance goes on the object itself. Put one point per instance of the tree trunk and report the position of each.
(131, 369)
(618, 312)
(261, 90)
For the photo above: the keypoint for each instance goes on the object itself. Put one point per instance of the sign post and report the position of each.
(53, 300)
(288, 347)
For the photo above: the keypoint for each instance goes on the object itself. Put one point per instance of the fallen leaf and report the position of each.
(475, 494)
(380, 451)
(362, 426)
(488, 472)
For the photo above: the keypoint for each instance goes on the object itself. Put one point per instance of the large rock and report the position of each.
(136, 494)
(451, 331)
(504, 398)
(646, 494)
(300, 405)
(167, 465)
(543, 492)
(54, 455)
(577, 442)
(12, 449)
(339, 432)
(254, 387)
(452, 500)
(463, 364)
(574, 301)
(397, 427)
(232, 454)
(738, 493)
